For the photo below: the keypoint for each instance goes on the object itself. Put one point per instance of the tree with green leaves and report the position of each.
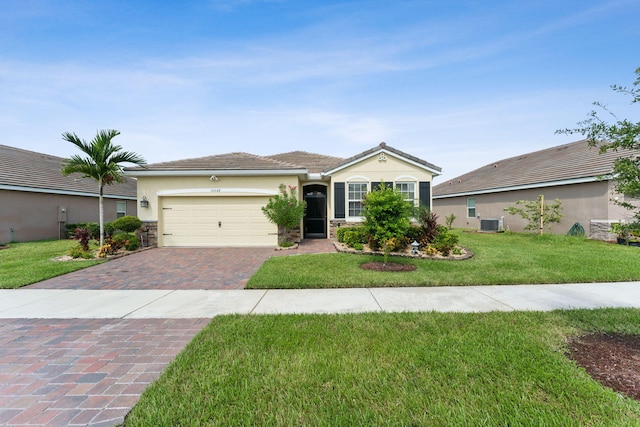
(285, 210)
(386, 218)
(101, 161)
(537, 214)
(620, 134)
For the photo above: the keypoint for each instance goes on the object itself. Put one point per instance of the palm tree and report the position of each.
(102, 163)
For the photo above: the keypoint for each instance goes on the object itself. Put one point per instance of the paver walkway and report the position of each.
(92, 371)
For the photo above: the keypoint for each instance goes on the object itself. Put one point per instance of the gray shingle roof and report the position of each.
(565, 162)
(229, 161)
(22, 168)
(313, 162)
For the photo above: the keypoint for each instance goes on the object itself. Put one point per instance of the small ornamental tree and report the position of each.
(386, 218)
(608, 132)
(537, 213)
(285, 210)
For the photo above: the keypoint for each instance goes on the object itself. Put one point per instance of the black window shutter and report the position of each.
(338, 199)
(425, 193)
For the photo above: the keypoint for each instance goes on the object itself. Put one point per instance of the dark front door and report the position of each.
(315, 219)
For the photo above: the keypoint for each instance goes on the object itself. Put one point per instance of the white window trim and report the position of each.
(356, 180)
(118, 211)
(415, 200)
(475, 207)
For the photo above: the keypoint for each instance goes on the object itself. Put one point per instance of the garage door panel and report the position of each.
(216, 221)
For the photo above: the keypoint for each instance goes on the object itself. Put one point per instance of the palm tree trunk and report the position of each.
(100, 194)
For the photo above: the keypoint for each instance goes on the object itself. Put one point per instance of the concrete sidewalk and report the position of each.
(194, 304)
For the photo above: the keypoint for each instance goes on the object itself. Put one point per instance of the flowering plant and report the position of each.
(285, 210)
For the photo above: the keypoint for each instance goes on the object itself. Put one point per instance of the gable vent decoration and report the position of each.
(382, 158)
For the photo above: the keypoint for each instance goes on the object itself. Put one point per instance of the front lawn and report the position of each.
(26, 263)
(506, 258)
(436, 369)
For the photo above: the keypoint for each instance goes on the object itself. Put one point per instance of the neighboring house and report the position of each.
(574, 173)
(36, 201)
(217, 200)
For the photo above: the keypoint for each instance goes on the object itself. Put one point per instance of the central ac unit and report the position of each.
(490, 224)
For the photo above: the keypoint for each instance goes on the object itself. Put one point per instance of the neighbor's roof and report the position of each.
(573, 162)
(382, 147)
(23, 170)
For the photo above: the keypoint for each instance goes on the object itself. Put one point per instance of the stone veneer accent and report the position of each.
(334, 224)
(149, 231)
(601, 230)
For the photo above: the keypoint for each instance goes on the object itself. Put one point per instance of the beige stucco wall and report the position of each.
(150, 186)
(34, 216)
(580, 203)
(373, 169)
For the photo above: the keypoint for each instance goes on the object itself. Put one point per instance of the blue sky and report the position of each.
(457, 83)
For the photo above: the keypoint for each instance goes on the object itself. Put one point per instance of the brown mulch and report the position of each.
(611, 359)
(389, 266)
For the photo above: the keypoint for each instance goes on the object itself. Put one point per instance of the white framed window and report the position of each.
(471, 207)
(355, 195)
(121, 209)
(408, 190)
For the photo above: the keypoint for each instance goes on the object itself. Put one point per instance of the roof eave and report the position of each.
(522, 187)
(217, 172)
(63, 192)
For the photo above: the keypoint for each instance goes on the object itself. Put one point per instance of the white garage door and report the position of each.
(216, 221)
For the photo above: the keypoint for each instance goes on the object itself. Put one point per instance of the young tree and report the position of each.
(285, 210)
(102, 162)
(386, 217)
(621, 134)
(537, 213)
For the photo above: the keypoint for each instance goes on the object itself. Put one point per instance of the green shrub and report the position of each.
(354, 236)
(414, 233)
(80, 252)
(128, 241)
(128, 224)
(386, 216)
(445, 241)
(340, 233)
(94, 230)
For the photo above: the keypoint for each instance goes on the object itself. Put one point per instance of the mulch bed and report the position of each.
(611, 359)
(389, 266)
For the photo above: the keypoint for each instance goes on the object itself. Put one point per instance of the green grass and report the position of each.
(436, 369)
(506, 258)
(26, 263)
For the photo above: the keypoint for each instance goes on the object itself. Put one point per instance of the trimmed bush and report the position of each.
(128, 241)
(352, 236)
(128, 224)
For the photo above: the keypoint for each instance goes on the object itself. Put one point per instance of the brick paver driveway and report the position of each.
(62, 372)
(168, 268)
